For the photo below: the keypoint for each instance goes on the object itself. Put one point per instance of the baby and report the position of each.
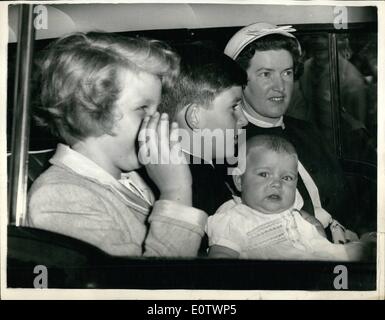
(267, 221)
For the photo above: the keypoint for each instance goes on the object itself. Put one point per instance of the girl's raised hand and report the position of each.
(160, 152)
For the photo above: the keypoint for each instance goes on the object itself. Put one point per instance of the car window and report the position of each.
(350, 130)
(357, 57)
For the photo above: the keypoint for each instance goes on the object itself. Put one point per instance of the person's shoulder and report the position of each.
(226, 219)
(226, 207)
(234, 211)
(53, 175)
(237, 220)
(58, 193)
(57, 182)
(225, 214)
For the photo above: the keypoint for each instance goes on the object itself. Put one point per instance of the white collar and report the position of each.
(261, 123)
(80, 164)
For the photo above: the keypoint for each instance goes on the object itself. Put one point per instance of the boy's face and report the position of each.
(269, 182)
(270, 83)
(139, 97)
(224, 113)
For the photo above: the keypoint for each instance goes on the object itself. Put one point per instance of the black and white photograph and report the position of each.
(200, 150)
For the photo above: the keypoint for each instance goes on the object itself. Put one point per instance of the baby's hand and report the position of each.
(160, 152)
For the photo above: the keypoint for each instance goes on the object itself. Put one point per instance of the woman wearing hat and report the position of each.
(270, 55)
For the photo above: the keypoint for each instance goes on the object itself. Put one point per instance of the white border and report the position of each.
(97, 294)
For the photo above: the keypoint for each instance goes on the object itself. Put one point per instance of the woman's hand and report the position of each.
(160, 152)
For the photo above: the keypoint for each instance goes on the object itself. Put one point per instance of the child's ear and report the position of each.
(192, 116)
(237, 178)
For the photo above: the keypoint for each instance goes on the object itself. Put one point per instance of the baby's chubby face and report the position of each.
(269, 181)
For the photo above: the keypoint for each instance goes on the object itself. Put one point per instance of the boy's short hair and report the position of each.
(204, 74)
(270, 142)
(272, 42)
(80, 84)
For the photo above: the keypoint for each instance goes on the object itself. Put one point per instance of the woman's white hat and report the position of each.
(255, 31)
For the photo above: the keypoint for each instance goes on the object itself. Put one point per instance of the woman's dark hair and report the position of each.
(272, 42)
